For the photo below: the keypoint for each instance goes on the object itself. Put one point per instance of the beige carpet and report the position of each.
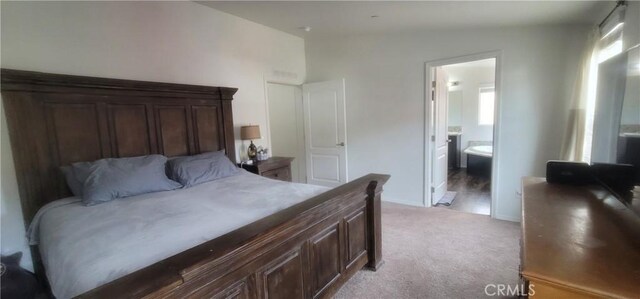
(439, 253)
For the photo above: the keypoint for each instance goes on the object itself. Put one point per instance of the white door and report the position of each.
(325, 132)
(441, 137)
(286, 129)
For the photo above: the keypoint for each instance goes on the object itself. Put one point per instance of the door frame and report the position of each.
(429, 149)
(301, 150)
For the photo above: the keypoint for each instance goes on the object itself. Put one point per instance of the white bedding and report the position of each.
(85, 247)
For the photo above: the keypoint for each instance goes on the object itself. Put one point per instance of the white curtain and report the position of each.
(577, 142)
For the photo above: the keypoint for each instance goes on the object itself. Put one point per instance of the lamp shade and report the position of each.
(250, 132)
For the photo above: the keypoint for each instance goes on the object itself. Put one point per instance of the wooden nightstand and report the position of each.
(277, 168)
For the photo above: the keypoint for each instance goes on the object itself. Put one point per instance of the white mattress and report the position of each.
(85, 247)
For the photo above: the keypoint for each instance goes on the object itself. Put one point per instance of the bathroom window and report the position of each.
(485, 105)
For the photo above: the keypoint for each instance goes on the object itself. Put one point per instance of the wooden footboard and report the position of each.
(306, 251)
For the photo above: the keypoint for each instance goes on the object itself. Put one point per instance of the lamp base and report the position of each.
(252, 151)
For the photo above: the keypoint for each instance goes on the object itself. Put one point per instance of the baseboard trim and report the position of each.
(507, 218)
(403, 202)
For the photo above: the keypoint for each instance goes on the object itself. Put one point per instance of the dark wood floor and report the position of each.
(473, 193)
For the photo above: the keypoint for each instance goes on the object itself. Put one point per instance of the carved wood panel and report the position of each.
(356, 231)
(283, 278)
(325, 258)
(206, 121)
(74, 132)
(173, 130)
(237, 290)
(129, 130)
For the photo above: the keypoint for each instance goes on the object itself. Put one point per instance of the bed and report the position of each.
(239, 237)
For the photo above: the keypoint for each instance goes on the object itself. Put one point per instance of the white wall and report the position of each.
(179, 42)
(470, 78)
(385, 99)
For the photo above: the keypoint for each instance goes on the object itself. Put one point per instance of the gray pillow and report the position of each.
(76, 175)
(112, 178)
(193, 170)
(74, 184)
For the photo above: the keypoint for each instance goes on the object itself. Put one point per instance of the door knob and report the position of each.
(340, 144)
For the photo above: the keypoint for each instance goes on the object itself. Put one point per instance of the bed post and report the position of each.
(374, 216)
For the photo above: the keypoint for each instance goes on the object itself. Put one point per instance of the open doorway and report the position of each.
(286, 126)
(307, 124)
(463, 109)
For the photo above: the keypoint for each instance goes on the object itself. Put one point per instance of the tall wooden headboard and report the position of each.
(55, 120)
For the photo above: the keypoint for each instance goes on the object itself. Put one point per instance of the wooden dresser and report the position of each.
(277, 168)
(578, 242)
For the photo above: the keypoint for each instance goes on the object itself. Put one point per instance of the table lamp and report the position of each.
(250, 133)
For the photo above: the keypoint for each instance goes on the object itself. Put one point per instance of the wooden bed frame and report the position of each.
(306, 251)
